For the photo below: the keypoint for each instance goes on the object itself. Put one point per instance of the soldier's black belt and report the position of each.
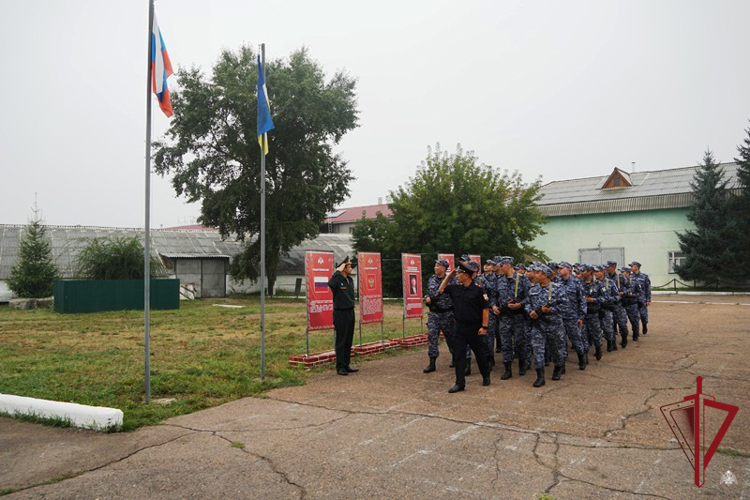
(436, 309)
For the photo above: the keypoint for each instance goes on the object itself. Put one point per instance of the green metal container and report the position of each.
(83, 296)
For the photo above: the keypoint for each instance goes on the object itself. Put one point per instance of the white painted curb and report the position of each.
(87, 417)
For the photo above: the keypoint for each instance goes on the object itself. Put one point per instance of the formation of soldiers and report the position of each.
(537, 312)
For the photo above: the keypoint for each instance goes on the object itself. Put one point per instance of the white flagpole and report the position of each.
(263, 239)
(147, 228)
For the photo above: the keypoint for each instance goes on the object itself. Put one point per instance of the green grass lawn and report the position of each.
(201, 355)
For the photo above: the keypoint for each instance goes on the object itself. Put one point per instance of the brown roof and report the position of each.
(352, 214)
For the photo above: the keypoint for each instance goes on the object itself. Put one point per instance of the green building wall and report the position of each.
(646, 236)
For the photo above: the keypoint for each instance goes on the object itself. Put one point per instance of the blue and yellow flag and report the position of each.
(265, 122)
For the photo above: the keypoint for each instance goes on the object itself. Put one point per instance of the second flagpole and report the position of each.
(263, 240)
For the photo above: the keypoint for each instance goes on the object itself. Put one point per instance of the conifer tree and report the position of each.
(740, 213)
(34, 273)
(706, 248)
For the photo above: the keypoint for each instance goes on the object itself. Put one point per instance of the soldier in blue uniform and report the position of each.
(620, 316)
(594, 293)
(440, 317)
(606, 313)
(522, 271)
(510, 292)
(487, 281)
(575, 311)
(644, 301)
(471, 311)
(630, 300)
(546, 301)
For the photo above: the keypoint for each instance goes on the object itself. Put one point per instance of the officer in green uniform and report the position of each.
(342, 285)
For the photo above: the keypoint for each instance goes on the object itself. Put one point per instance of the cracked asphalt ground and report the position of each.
(392, 431)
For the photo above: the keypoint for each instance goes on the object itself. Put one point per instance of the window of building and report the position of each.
(616, 181)
(675, 259)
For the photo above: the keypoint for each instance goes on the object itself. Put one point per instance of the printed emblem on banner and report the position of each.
(320, 260)
(369, 261)
(411, 262)
(371, 282)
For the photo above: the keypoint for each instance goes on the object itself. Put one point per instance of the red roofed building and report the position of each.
(342, 220)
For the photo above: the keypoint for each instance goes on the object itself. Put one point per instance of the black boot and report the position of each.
(624, 343)
(609, 345)
(539, 377)
(508, 373)
(598, 352)
(645, 328)
(562, 368)
(431, 367)
(491, 360)
(468, 368)
(635, 337)
(586, 357)
(522, 367)
(453, 363)
(556, 373)
(581, 361)
(614, 342)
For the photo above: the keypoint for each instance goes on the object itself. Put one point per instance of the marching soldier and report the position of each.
(619, 312)
(575, 311)
(510, 292)
(644, 301)
(592, 328)
(546, 301)
(630, 300)
(607, 304)
(488, 280)
(440, 317)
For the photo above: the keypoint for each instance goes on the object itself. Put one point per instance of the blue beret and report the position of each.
(624, 269)
(587, 267)
(552, 265)
(520, 267)
(443, 263)
(474, 266)
(506, 260)
(635, 263)
(577, 264)
(464, 258)
(599, 268)
(545, 269)
(490, 262)
(611, 263)
(564, 264)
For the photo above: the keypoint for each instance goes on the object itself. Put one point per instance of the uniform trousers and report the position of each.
(592, 329)
(643, 309)
(439, 322)
(621, 318)
(573, 333)
(467, 335)
(634, 316)
(343, 323)
(608, 324)
(550, 333)
(513, 332)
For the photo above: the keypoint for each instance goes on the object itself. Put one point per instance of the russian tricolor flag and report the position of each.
(161, 69)
(321, 282)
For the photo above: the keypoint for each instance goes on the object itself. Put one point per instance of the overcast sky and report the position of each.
(558, 89)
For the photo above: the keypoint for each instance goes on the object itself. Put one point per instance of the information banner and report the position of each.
(411, 269)
(477, 259)
(370, 287)
(451, 260)
(318, 270)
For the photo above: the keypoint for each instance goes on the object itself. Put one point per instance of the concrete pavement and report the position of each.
(392, 431)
